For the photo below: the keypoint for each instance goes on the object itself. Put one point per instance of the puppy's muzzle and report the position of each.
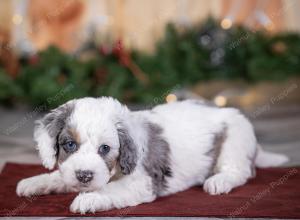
(84, 176)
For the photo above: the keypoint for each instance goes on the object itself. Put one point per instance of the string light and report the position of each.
(171, 98)
(226, 23)
(220, 101)
(17, 19)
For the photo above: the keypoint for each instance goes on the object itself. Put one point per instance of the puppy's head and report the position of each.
(88, 139)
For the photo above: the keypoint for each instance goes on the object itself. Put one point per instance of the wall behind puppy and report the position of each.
(140, 23)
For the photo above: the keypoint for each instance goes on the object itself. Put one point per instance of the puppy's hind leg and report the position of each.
(235, 162)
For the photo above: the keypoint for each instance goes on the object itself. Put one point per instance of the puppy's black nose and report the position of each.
(84, 176)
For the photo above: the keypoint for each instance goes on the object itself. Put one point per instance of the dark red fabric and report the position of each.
(273, 193)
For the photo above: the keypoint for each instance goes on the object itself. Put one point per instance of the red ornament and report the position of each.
(125, 60)
(118, 48)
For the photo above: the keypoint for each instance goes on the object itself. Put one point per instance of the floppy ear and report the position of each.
(46, 132)
(128, 151)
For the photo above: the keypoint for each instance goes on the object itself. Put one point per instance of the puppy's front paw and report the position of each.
(27, 187)
(36, 185)
(90, 202)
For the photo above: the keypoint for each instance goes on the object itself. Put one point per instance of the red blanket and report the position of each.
(273, 193)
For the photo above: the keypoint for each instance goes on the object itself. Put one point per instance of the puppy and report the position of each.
(118, 158)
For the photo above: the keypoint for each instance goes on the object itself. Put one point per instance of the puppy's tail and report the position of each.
(266, 159)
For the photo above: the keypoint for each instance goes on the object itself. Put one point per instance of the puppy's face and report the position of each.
(87, 140)
(87, 153)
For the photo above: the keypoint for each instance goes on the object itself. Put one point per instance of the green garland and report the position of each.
(181, 58)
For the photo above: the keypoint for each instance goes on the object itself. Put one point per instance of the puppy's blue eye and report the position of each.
(70, 146)
(103, 149)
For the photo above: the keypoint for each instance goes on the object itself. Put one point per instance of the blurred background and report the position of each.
(240, 53)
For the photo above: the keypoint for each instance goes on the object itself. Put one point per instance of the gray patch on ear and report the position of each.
(55, 121)
(128, 152)
(157, 161)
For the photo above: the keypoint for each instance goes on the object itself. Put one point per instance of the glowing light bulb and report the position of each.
(226, 23)
(17, 19)
(171, 98)
(220, 101)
